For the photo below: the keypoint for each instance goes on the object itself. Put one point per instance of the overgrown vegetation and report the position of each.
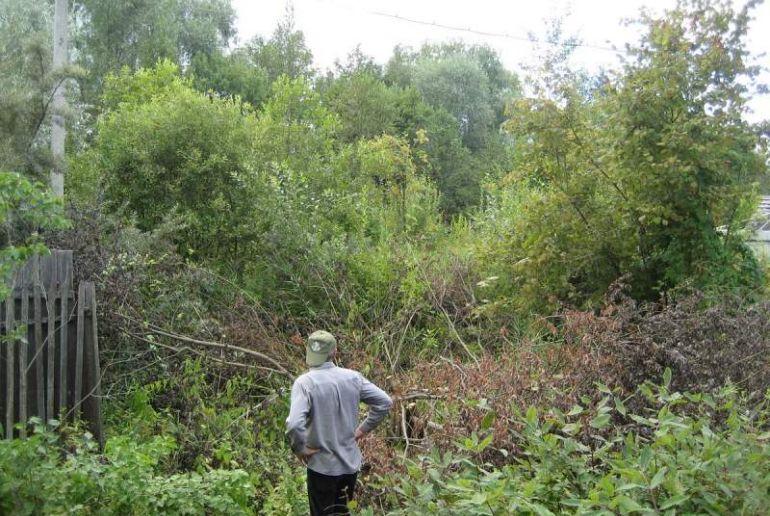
(122, 480)
(25, 209)
(515, 259)
(688, 453)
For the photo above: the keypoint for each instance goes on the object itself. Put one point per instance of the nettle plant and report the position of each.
(681, 453)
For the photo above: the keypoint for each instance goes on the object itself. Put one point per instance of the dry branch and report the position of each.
(180, 349)
(278, 368)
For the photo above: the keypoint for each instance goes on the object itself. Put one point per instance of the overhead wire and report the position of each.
(469, 30)
(495, 34)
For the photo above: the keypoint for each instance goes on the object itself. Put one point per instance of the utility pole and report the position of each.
(58, 129)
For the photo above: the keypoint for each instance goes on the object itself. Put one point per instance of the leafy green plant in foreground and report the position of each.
(230, 429)
(35, 479)
(683, 454)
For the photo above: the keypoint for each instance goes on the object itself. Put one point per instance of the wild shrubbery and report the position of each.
(321, 228)
(652, 175)
(26, 208)
(528, 425)
(622, 346)
(195, 440)
(43, 475)
(683, 453)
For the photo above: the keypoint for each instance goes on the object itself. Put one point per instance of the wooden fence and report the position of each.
(49, 351)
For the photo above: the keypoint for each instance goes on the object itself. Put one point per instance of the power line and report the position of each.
(469, 30)
(492, 34)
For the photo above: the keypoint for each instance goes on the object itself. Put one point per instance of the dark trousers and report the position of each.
(329, 495)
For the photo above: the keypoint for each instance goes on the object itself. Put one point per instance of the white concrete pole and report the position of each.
(58, 129)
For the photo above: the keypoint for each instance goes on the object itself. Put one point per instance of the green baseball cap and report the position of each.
(320, 345)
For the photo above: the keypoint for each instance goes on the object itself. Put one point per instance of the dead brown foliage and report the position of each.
(440, 403)
(704, 347)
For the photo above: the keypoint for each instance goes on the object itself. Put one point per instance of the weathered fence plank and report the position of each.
(23, 343)
(65, 274)
(38, 340)
(79, 346)
(92, 403)
(50, 304)
(9, 368)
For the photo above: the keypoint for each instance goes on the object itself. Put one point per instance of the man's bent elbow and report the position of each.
(383, 407)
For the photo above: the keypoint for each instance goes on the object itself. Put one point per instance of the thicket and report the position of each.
(688, 453)
(39, 475)
(486, 253)
(683, 452)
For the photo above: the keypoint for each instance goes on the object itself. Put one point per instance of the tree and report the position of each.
(366, 106)
(656, 169)
(691, 161)
(232, 75)
(165, 150)
(26, 207)
(358, 63)
(459, 85)
(296, 132)
(387, 163)
(462, 91)
(441, 155)
(285, 53)
(27, 82)
(469, 82)
(137, 33)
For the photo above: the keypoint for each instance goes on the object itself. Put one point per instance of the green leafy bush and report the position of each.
(26, 207)
(39, 475)
(216, 425)
(651, 175)
(686, 453)
(164, 150)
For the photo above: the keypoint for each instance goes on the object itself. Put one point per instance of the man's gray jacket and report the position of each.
(324, 415)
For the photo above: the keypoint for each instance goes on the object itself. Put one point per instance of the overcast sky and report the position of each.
(333, 28)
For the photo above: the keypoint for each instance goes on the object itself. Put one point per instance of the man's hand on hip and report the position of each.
(305, 454)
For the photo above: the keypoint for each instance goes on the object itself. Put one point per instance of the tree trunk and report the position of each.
(58, 129)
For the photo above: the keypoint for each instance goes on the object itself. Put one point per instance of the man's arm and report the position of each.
(379, 406)
(297, 422)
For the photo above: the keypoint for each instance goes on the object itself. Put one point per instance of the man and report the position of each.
(323, 424)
